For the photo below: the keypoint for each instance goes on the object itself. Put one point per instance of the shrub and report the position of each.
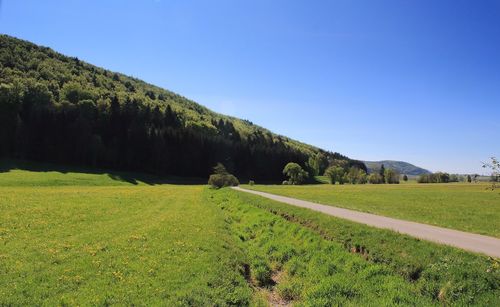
(423, 178)
(375, 178)
(222, 178)
(391, 176)
(219, 181)
(362, 178)
(356, 175)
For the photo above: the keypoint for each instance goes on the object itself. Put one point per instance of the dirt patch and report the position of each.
(273, 297)
(269, 291)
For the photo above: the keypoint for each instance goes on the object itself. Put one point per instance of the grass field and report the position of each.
(106, 241)
(114, 245)
(467, 207)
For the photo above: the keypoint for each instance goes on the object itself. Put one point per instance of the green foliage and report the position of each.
(335, 174)
(220, 169)
(318, 163)
(221, 178)
(382, 173)
(375, 178)
(454, 178)
(295, 173)
(356, 175)
(438, 177)
(494, 167)
(9, 107)
(73, 92)
(344, 164)
(391, 176)
(219, 181)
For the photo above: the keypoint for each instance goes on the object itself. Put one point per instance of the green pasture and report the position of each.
(470, 207)
(75, 238)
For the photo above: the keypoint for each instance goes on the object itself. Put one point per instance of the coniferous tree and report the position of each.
(382, 173)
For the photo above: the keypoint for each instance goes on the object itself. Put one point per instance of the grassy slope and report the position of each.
(189, 245)
(430, 271)
(467, 207)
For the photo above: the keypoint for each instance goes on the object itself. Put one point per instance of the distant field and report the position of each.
(467, 207)
(93, 239)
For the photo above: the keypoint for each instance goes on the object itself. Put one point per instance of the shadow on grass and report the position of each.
(130, 177)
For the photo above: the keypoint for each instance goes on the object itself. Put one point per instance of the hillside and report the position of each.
(399, 166)
(55, 108)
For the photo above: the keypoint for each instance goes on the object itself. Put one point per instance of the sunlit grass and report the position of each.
(71, 238)
(462, 206)
(128, 245)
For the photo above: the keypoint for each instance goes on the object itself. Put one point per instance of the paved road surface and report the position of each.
(468, 241)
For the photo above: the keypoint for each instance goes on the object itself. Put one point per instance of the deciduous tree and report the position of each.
(295, 173)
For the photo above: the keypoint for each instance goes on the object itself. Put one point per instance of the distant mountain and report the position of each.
(399, 166)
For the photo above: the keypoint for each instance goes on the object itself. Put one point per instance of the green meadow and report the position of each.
(80, 238)
(462, 206)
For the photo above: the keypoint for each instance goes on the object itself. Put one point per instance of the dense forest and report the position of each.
(55, 108)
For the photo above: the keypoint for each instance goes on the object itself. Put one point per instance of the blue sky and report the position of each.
(412, 80)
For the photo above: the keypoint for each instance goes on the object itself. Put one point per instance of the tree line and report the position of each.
(126, 134)
(340, 172)
(442, 177)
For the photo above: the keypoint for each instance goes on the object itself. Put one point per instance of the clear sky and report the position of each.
(411, 80)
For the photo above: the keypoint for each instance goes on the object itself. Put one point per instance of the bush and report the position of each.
(219, 181)
(222, 178)
(251, 182)
(356, 175)
(375, 178)
(391, 176)
(363, 178)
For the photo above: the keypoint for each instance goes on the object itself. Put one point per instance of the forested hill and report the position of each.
(399, 166)
(59, 109)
